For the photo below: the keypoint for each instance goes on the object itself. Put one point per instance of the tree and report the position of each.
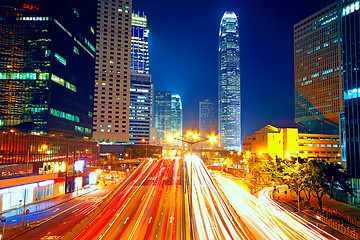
(325, 177)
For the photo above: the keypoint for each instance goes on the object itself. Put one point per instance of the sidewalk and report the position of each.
(338, 215)
(47, 203)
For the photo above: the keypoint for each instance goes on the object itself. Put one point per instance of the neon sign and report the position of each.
(30, 7)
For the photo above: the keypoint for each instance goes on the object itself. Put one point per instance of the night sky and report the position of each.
(184, 60)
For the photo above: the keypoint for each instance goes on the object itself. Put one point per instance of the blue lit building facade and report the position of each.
(176, 115)
(162, 114)
(351, 91)
(139, 44)
(47, 51)
(229, 107)
(207, 121)
(141, 87)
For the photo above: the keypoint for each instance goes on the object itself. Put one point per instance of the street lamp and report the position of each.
(144, 141)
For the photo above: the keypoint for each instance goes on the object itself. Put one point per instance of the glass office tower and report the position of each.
(317, 65)
(139, 44)
(229, 83)
(162, 113)
(351, 89)
(176, 114)
(47, 50)
(206, 118)
(141, 88)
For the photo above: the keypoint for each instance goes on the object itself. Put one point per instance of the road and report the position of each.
(56, 220)
(149, 207)
(268, 220)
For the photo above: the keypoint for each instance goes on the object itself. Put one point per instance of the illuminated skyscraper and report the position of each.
(176, 114)
(229, 120)
(141, 88)
(139, 44)
(47, 58)
(162, 113)
(317, 63)
(112, 72)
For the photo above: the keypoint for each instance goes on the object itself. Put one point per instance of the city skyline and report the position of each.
(172, 42)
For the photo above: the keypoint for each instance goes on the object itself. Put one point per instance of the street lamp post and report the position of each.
(144, 141)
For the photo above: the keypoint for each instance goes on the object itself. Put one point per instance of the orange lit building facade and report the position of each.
(317, 66)
(288, 142)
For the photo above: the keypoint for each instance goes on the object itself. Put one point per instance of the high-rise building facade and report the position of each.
(140, 107)
(206, 118)
(229, 120)
(141, 88)
(112, 71)
(162, 114)
(176, 114)
(139, 44)
(317, 64)
(350, 16)
(47, 51)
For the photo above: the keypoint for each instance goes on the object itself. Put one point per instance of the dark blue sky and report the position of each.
(183, 54)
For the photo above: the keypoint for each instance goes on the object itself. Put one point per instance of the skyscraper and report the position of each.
(139, 44)
(206, 118)
(140, 107)
(350, 15)
(47, 51)
(176, 114)
(162, 113)
(141, 88)
(112, 71)
(229, 120)
(317, 64)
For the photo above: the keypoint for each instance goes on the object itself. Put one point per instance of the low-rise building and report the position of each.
(288, 142)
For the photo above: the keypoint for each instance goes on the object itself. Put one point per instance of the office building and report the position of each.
(176, 114)
(350, 129)
(162, 114)
(229, 120)
(317, 64)
(140, 107)
(47, 57)
(139, 44)
(207, 121)
(141, 88)
(271, 142)
(112, 72)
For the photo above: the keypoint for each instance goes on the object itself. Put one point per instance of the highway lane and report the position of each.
(61, 219)
(211, 215)
(149, 208)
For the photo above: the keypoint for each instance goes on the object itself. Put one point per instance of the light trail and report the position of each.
(211, 216)
(265, 216)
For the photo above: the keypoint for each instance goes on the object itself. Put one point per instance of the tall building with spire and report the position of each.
(229, 112)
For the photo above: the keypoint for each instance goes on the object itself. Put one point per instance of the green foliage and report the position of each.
(314, 178)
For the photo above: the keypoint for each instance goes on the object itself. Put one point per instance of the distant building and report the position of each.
(47, 61)
(229, 120)
(176, 115)
(141, 88)
(288, 142)
(112, 72)
(317, 59)
(162, 114)
(350, 129)
(207, 121)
